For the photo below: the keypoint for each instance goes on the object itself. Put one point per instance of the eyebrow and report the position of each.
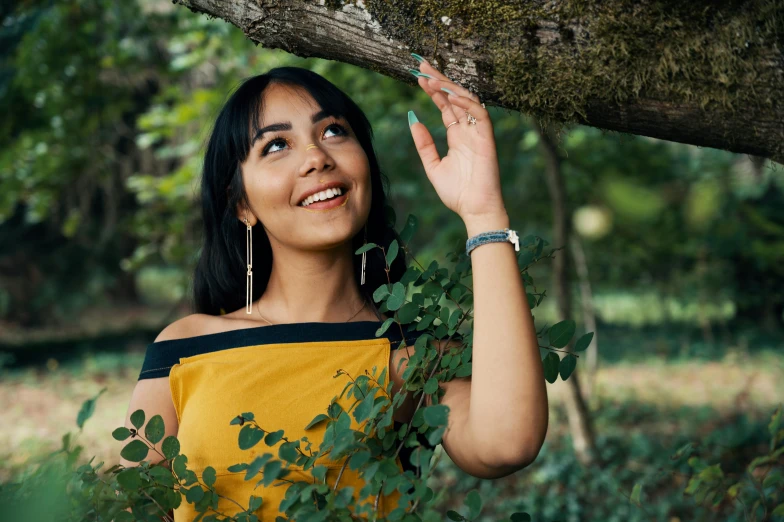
(286, 125)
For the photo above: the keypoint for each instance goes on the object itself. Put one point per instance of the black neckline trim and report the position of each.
(315, 330)
(162, 355)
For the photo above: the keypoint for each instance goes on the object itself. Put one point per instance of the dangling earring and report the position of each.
(364, 256)
(249, 261)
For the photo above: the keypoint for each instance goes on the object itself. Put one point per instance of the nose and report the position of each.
(316, 159)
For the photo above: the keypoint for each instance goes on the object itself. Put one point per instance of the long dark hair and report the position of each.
(219, 279)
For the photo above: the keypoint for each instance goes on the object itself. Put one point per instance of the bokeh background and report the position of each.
(106, 110)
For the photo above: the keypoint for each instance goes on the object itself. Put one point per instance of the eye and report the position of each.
(269, 147)
(338, 126)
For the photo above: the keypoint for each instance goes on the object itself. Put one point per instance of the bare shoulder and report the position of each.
(202, 324)
(190, 326)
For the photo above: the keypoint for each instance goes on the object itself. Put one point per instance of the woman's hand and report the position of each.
(467, 179)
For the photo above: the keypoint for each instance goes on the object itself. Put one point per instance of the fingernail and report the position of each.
(412, 119)
(417, 74)
(447, 90)
(418, 58)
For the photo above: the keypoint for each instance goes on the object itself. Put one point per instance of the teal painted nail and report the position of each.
(447, 90)
(417, 74)
(417, 57)
(412, 119)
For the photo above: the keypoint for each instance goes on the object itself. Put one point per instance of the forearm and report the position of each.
(508, 407)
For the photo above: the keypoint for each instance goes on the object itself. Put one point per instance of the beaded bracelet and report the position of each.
(493, 236)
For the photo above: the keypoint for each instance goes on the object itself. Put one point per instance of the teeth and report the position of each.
(322, 196)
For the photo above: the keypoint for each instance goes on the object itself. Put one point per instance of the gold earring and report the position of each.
(249, 261)
(364, 254)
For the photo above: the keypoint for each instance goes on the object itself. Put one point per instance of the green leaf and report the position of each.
(454, 515)
(435, 436)
(87, 409)
(256, 465)
(358, 459)
(773, 427)
(392, 252)
(154, 430)
(384, 327)
(408, 230)
(364, 248)
(135, 451)
(271, 471)
(397, 297)
(408, 313)
(137, 419)
(318, 418)
(178, 465)
(380, 293)
(636, 492)
(436, 415)
(248, 416)
(411, 275)
(121, 433)
(567, 366)
(171, 447)
(249, 436)
(254, 503)
(273, 437)
(474, 503)
(236, 468)
(431, 385)
(129, 479)
(778, 510)
(520, 517)
(551, 363)
(194, 494)
(583, 342)
(561, 333)
(209, 476)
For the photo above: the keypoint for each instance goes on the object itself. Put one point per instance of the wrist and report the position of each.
(483, 223)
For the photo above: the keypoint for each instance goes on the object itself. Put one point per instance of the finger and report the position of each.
(426, 68)
(426, 147)
(461, 103)
(439, 97)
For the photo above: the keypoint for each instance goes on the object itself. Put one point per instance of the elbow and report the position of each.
(524, 455)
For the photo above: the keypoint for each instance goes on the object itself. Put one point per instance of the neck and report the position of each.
(313, 286)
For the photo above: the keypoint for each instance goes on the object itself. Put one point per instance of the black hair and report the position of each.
(219, 278)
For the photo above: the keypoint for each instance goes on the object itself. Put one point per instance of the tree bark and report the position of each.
(703, 73)
(580, 422)
(591, 364)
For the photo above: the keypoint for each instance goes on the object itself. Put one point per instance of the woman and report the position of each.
(291, 189)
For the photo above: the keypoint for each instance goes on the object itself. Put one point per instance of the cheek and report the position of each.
(267, 190)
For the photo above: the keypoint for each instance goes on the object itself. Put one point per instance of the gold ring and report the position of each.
(311, 145)
(454, 122)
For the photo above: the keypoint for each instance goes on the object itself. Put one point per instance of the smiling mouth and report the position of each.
(328, 204)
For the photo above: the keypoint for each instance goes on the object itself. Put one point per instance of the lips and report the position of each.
(331, 203)
(323, 186)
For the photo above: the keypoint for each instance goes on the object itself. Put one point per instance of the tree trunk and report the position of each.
(704, 73)
(589, 315)
(580, 423)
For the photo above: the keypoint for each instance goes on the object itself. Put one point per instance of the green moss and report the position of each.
(724, 54)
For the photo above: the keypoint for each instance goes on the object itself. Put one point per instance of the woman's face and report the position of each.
(279, 171)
